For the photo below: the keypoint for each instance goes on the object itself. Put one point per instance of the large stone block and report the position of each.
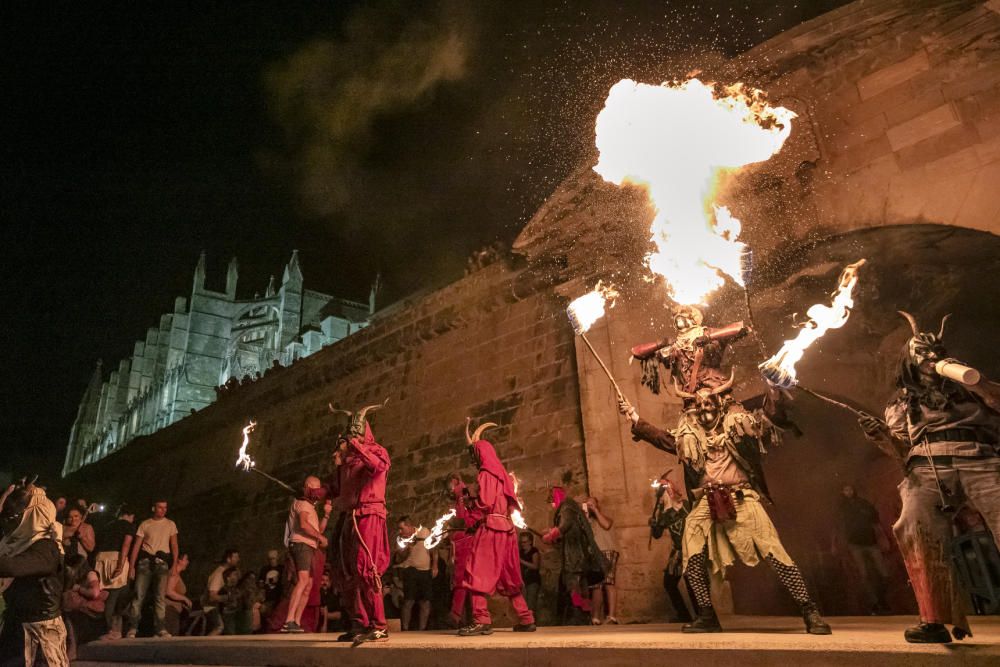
(926, 125)
(887, 77)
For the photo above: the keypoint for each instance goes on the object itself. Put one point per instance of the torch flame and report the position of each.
(515, 516)
(403, 542)
(243, 460)
(438, 531)
(780, 369)
(676, 140)
(587, 309)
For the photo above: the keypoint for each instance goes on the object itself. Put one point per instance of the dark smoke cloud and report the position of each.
(329, 95)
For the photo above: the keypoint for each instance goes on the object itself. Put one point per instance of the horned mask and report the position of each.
(356, 428)
(924, 346)
(708, 405)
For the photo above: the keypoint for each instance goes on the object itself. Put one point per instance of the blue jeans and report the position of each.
(147, 571)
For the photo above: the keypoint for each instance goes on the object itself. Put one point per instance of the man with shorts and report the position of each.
(418, 567)
(303, 536)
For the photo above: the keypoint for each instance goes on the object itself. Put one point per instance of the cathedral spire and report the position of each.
(199, 273)
(270, 288)
(232, 274)
(293, 271)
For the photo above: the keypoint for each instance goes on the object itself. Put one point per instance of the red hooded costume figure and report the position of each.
(493, 565)
(362, 541)
(465, 521)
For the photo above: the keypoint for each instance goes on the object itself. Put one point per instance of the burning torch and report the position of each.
(779, 370)
(439, 530)
(586, 310)
(243, 460)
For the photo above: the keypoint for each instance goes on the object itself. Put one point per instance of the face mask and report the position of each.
(316, 494)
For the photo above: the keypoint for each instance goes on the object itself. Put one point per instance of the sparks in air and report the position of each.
(439, 530)
(780, 369)
(677, 140)
(584, 311)
(243, 460)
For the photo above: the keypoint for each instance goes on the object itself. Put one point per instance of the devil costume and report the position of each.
(720, 444)
(947, 435)
(493, 564)
(362, 540)
(461, 530)
(694, 358)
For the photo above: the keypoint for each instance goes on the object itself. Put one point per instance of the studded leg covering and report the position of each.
(697, 578)
(791, 579)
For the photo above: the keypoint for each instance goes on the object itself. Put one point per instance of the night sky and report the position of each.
(392, 137)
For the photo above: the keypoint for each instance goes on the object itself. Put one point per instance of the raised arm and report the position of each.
(643, 430)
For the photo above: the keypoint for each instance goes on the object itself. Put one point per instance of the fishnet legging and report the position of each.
(789, 576)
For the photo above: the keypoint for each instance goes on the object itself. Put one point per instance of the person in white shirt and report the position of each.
(303, 536)
(418, 567)
(154, 551)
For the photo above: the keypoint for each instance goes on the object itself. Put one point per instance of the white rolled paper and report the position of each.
(953, 370)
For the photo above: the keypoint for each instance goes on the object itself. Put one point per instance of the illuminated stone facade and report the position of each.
(211, 339)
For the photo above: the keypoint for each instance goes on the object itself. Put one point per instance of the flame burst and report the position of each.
(439, 529)
(243, 460)
(676, 140)
(403, 542)
(780, 369)
(515, 516)
(587, 309)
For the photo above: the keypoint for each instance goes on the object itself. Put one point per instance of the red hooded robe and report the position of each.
(493, 565)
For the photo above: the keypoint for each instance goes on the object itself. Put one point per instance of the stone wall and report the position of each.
(490, 346)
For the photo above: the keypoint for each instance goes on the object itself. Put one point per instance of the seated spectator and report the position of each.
(331, 613)
(269, 580)
(83, 603)
(531, 562)
(78, 535)
(228, 599)
(214, 598)
(178, 604)
(114, 542)
(251, 601)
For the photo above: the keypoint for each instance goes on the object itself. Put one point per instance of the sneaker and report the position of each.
(525, 627)
(349, 636)
(111, 636)
(705, 621)
(163, 634)
(373, 635)
(292, 627)
(927, 633)
(130, 634)
(611, 620)
(476, 629)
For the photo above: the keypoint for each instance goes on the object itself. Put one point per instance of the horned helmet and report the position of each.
(707, 405)
(356, 426)
(476, 436)
(687, 318)
(923, 346)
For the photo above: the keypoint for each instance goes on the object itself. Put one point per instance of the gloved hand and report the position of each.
(871, 425)
(626, 409)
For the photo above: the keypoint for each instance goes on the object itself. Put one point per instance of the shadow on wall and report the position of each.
(928, 270)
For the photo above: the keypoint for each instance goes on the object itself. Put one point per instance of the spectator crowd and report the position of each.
(78, 573)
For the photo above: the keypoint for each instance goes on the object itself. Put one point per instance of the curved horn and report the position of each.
(334, 410)
(468, 438)
(680, 392)
(727, 385)
(912, 320)
(376, 406)
(479, 431)
(941, 330)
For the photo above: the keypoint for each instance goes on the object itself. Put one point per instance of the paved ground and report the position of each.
(750, 641)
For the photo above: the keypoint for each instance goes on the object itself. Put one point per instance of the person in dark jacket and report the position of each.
(583, 563)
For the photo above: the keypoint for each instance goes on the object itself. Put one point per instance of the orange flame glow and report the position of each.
(243, 460)
(587, 309)
(676, 140)
(439, 529)
(515, 516)
(780, 369)
(403, 542)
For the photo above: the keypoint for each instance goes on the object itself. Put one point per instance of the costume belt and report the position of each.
(732, 488)
(944, 460)
(960, 435)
